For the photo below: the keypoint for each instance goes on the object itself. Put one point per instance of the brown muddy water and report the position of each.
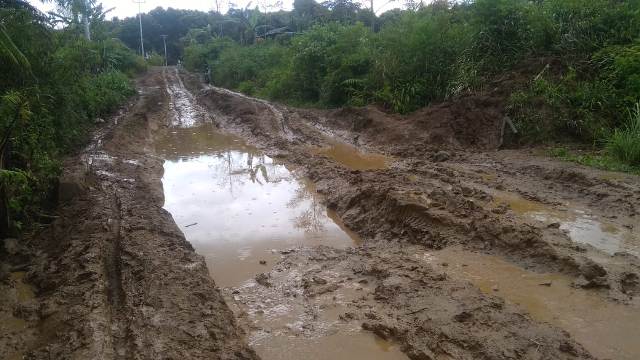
(350, 157)
(241, 210)
(582, 227)
(608, 330)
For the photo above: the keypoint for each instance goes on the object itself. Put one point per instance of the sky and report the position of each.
(128, 8)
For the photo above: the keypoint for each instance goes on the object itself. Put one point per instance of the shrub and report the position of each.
(47, 104)
(197, 55)
(106, 91)
(624, 143)
(421, 58)
(155, 59)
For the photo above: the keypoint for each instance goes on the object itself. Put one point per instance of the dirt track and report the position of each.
(115, 278)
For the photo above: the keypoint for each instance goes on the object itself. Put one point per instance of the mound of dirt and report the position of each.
(468, 122)
(471, 122)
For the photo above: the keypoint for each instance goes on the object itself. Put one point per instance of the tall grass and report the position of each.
(624, 143)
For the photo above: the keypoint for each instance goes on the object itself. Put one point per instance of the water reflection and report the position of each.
(579, 225)
(236, 205)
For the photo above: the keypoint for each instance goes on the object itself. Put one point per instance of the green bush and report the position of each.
(106, 91)
(624, 143)
(324, 59)
(250, 66)
(421, 58)
(55, 86)
(446, 49)
(155, 59)
(197, 55)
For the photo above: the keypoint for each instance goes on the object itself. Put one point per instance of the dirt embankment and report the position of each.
(114, 277)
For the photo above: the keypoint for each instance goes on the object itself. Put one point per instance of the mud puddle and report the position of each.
(579, 225)
(606, 329)
(238, 207)
(243, 210)
(351, 157)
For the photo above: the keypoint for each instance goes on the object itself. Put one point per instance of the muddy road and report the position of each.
(204, 224)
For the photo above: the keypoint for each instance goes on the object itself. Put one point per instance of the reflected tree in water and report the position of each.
(310, 219)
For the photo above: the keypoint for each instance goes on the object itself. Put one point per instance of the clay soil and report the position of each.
(114, 278)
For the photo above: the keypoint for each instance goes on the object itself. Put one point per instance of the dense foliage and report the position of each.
(53, 85)
(575, 64)
(567, 69)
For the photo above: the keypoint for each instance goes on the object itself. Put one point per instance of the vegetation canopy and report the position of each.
(568, 70)
(53, 85)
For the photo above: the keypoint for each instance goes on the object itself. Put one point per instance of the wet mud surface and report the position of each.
(201, 223)
(437, 189)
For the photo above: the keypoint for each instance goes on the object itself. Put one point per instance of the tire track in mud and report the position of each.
(123, 345)
(435, 204)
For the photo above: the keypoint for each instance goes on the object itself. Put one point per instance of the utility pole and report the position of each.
(85, 20)
(164, 41)
(140, 2)
(373, 18)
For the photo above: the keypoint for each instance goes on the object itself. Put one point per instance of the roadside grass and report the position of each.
(596, 159)
(624, 143)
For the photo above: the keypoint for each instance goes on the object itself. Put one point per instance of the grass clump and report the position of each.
(624, 143)
(596, 159)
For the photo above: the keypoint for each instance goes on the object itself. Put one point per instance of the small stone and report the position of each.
(445, 264)
(263, 279)
(347, 316)
(320, 281)
(463, 316)
(555, 225)
(500, 210)
(495, 288)
(263, 262)
(546, 283)
(441, 156)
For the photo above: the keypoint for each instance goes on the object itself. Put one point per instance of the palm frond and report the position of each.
(9, 49)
